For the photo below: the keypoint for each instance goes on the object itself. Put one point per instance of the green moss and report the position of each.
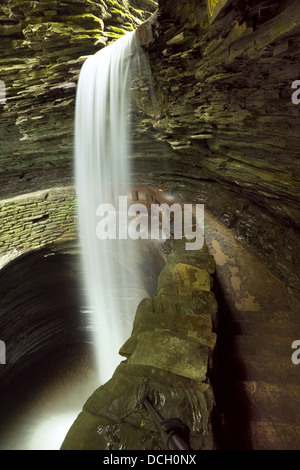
(124, 16)
(110, 3)
(116, 30)
(139, 13)
(62, 29)
(91, 36)
(86, 21)
(50, 13)
(111, 35)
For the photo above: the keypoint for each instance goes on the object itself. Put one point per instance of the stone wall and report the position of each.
(168, 359)
(32, 220)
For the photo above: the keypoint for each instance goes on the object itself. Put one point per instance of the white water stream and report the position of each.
(102, 175)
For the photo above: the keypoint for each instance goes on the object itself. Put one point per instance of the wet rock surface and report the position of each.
(225, 126)
(168, 360)
(43, 49)
(274, 241)
(33, 220)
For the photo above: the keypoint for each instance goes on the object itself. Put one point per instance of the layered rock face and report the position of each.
(42, 43)
(225, 96)
(224, 92)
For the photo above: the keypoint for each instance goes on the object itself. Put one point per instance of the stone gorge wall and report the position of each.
(227, 131)
(225, 95)
(224, 131)
(41, 45)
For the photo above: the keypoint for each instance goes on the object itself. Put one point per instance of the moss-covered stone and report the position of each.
(167, 360)
(170, 353)
(99, 425)
(184, 279)
(170, 303)
(86, 21)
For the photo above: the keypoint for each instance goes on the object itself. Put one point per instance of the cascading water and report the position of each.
(102, 175)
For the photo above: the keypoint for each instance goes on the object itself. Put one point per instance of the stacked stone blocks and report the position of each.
(167, 358)
(33, 220)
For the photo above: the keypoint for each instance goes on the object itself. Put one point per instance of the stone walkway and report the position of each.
(256, 385)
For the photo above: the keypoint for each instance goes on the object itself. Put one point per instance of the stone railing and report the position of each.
(168, 359)
(32, 220)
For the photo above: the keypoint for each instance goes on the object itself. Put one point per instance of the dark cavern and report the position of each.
(150, 222)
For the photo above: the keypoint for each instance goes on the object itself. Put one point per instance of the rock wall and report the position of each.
(225, 96)
(42, 48)
(168, 359)
(226, 130)
(33, 220)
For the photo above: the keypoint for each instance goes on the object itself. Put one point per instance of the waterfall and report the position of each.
(102, 175)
